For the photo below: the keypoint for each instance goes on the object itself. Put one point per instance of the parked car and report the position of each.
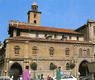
(5, 78)
(66, 77)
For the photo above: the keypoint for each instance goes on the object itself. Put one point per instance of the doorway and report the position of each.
(15, 66)
(83, 68)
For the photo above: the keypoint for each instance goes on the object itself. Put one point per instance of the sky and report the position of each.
(69, 14)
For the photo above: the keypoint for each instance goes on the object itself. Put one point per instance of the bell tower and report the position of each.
(34, 15)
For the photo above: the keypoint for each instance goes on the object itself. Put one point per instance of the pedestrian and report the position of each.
(38, 77)
(15, 74)
(48, 77)
(42, 78)
(58, 73)
(25, 75)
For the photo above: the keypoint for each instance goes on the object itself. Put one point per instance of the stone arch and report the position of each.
(83, 68)
(16, 66)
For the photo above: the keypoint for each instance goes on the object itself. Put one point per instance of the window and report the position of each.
(37, 35)
(35, 15)
(77, 38)
(16, 49)
(67, 66)
(70, 37)
(88, 52)
(51, 51)
(67, 52)
(80, 52)
(45, 35)
(35, 21)
(64, 37)
(52, 66)
(34, 50)
(17, 33)
(55, 35)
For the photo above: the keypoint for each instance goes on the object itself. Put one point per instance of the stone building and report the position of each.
(31, 43)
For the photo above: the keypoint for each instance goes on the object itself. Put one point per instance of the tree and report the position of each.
(72, 65)
(33, 66)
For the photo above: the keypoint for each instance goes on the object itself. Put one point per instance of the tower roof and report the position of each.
(34, 3)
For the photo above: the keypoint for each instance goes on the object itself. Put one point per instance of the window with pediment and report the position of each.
(88, 52)
(80, 52)
(51, 51)
(16, 50)
(67, 51)
(34, 50)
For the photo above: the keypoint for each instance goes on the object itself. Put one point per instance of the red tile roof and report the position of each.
(18, 38)
(40, 28)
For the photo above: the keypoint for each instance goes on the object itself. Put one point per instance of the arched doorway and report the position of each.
(15, 66)
(83, 68)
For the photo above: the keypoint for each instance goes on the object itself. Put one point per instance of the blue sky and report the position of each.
(55, 13)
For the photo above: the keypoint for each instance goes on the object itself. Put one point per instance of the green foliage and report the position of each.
(52, 66)
(33, 66)
(72, 65)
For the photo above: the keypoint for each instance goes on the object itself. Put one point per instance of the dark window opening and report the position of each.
(35, 21)
(70, 37)
(17, 33)
(35, 15)
(77, 38)
(55, 36)
(45, 35)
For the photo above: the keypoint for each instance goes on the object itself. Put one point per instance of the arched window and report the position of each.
(52, 66)
(51, 51)
(67, 51)
(67, 66)
(16, 49)
(88, 52)
(80, 52)
(34, 50)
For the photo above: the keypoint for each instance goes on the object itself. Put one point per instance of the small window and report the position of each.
(35, 15)
(17, 33)
(37, 35)
(77, 38)
(67, 66)
(34, 50)
(51, 51)
(70, 37)
(35, 21)
(16, 49)
(45, 35)
(67, 52)
(64, 37)
(55, 35)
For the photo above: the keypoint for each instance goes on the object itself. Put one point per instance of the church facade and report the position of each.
(29, 43)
